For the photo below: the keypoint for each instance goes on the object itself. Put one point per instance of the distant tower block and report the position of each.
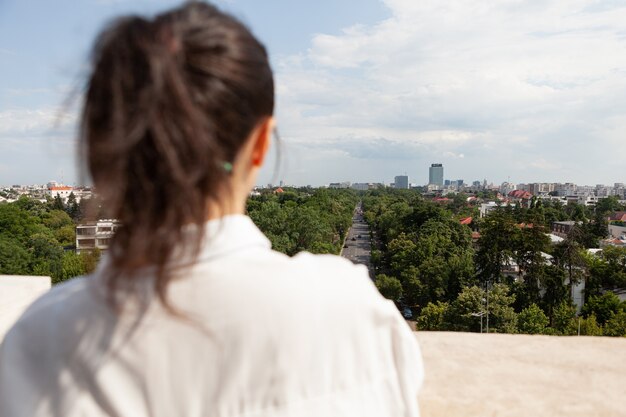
(401, 181)
(435, 175)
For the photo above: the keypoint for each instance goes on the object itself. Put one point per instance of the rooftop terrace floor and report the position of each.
(470, 374)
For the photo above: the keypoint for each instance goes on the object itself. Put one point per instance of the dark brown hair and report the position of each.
(170, 102)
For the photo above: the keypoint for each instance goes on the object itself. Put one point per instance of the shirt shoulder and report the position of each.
(333, 267)
(336, 266)
(333, 274)
(35, 350)
(52, 321)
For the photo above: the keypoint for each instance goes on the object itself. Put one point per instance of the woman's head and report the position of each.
(171, 106)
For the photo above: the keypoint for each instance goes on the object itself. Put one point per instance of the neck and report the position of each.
(225, 207)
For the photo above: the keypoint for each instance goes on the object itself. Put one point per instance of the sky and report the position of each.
(503, 90)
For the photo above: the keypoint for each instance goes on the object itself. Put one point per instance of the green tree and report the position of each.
(401, 251)
(34, 208)
(615, 259)
(616, 325)
(18, 224)
(529, 247)
(603, 306)
(56, 219)
(532, 320)
(472, 301)
(553, 280)
(72, 266)
(14, 259)
(46, 256)
(72, 208)
(589, 326)
(414, 291)
(90, 260)
(569, 256)
(433, 316)
(57, 203)
(66, 235)
(563, 316)
(607, 205)
(498, 233)
(389, 287)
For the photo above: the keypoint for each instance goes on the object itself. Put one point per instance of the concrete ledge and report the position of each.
(17, 293)
(470, 374)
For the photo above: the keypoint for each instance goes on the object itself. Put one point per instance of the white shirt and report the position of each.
(263, 334)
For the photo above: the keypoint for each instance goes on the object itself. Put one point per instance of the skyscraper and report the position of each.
(435, 175)
(401, 181)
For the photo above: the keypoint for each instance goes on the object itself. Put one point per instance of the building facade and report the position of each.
(435, 175)
(340, 185)
(401, 182)
(95, 235)
(60, 190)
(562, 229)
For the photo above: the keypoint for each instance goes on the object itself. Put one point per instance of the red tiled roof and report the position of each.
(619, 216)
(63, 188)
(524, 195)
(466, 220)
(279, 190)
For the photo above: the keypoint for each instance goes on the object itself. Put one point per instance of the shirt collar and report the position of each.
(229, 234)
(223, 236)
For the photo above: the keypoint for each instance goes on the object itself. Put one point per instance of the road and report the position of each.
(357, 249)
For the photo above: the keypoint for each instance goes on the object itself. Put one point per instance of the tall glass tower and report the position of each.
(435, 175)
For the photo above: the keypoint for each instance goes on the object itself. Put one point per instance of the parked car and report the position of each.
(359, 236)
(345, 246)
(407, 313)
(354, 238)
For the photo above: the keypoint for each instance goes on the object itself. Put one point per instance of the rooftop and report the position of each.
(471, 375)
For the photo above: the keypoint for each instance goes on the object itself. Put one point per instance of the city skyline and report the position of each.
(386, 182)
(366, 90)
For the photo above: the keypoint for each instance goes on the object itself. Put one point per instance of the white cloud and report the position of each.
(453, 155)
(531, 81)
(37, 145)
(34, 123)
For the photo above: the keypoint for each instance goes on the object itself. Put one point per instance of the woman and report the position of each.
(191, 313)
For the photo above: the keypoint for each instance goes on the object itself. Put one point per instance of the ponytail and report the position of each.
(169, 102)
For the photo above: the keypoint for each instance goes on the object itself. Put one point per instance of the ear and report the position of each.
(262, 141)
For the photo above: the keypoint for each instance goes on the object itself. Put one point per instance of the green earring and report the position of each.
(228, 167)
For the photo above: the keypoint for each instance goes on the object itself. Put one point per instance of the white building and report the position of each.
(617, 231)
(95, 235)
(565, 189)
(339, 185)
(588, 200)
(62, 191)
(490, 206)
(361, 186)
(506, 188)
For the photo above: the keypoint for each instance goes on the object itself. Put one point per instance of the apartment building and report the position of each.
(95, 235)
(562, 229)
